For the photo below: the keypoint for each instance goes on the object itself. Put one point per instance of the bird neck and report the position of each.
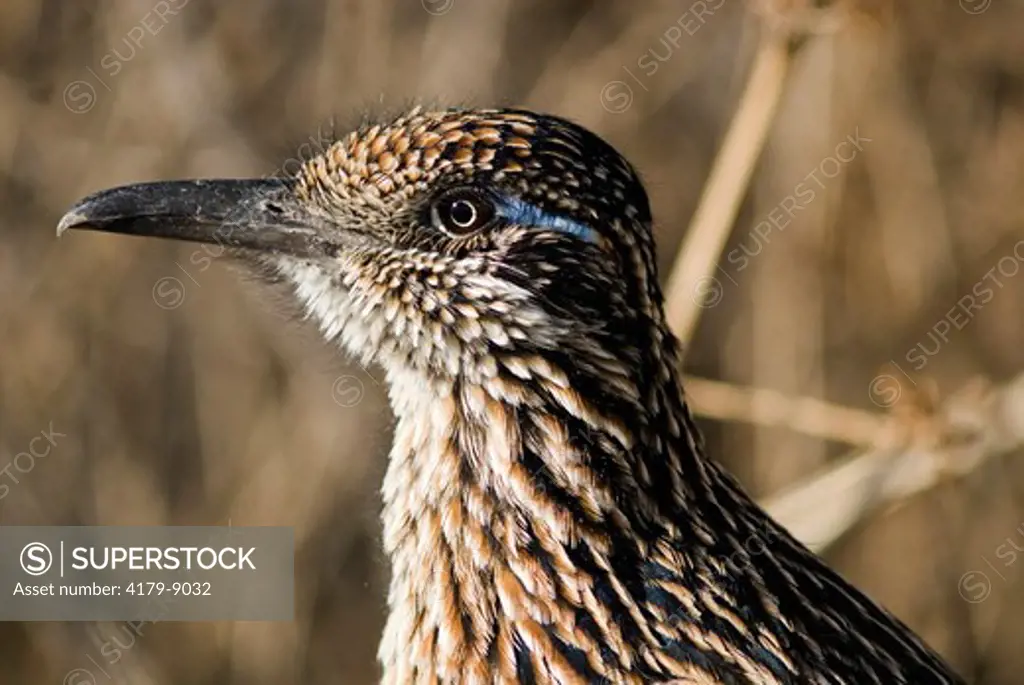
(505, 498)
(559, 526)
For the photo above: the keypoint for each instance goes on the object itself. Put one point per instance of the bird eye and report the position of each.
(462, 212)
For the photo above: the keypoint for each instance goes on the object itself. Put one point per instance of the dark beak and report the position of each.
(259, 214)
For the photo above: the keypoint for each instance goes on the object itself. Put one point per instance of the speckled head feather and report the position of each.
(549, 513)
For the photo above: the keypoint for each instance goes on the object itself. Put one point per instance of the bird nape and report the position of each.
(549, 512)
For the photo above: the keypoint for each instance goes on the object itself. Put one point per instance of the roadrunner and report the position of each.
(549, 511)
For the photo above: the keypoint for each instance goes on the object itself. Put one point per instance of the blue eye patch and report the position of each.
(516, 211)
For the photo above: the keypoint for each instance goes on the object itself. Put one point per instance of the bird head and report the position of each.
(448, 243)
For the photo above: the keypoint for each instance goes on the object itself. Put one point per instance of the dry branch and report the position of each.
(727, 183)
(769, 408)
(972, 430)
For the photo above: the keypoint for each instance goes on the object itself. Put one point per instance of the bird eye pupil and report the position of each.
(462, 213)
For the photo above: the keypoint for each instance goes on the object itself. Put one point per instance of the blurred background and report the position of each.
(874, 270)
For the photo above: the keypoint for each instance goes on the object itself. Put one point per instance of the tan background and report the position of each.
(201, 400)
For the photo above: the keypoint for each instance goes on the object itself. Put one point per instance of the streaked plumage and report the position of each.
(549, 511)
